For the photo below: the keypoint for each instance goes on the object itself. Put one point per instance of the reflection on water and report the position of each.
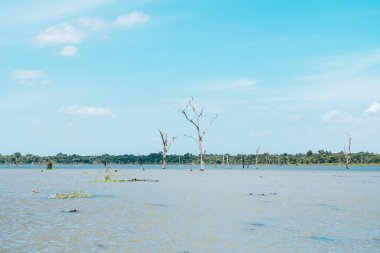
(213, 211)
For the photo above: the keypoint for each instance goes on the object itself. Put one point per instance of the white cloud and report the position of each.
(94, 24)
(373, 108)
(69, 51)
(87, 111)
(239, 84)
(132, 18)
(29, 76)
(65, 33)
(59, 34)
(337, 116)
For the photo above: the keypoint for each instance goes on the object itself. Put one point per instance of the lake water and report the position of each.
(194, 167)
(292, 209)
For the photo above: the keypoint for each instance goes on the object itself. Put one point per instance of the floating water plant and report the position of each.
(71, 195)
(263, 194)
(107, 179)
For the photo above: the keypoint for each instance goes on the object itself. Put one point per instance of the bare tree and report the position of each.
(347, 152)
(257, 157)
(194, 116)
(165, 146)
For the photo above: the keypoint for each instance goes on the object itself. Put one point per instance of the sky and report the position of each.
(101, 76)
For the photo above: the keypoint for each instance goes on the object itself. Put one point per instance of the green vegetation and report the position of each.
(320, 157)
(107, 178)
(71, 195)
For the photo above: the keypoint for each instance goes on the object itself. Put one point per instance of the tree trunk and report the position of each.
(202, 163)
(202, 156)
(347, 152)
(163, 160)
(257, 157)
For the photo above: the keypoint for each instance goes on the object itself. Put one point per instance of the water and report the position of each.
(194, 167)
(309, 210)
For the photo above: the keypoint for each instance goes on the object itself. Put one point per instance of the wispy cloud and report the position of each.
(210, 104)
(340, 67)
(237, 84)
(69, 51)
(87, 111)
(373, 108)
(353, 77)
(94, 24)
(59, 34)
(260, 134)
(337, 116)
(29, 76)
(66, 33)
(132, 18)
(38, 11)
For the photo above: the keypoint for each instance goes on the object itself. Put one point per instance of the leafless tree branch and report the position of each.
(165, 146)
(191, 137)
(195, 120)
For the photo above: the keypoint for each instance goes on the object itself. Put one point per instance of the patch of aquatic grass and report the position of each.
(71, 195)
(107, 178)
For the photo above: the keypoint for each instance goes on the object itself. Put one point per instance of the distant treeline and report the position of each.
(321, 157)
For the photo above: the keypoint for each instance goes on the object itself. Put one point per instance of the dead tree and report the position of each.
(347, 152)
(165, 146)
(49, 164)
(257, 157)
(194, 116)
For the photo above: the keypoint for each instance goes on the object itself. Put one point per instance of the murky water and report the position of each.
(190, 211)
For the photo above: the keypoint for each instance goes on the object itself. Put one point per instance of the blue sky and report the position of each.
(100, 76)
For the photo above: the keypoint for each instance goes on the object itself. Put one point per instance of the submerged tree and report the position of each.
(194, 116)
(257, 157)
(49, 164)
(347, 152)
(165, 146)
